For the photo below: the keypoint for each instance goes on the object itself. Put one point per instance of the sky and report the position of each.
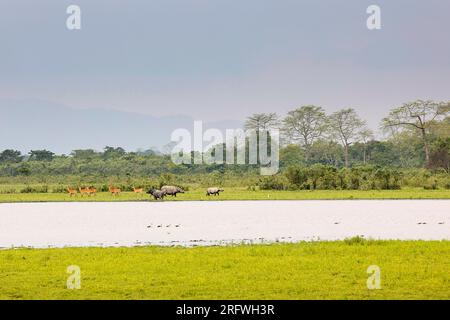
(219, 60)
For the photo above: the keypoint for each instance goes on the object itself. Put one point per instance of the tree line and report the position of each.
(418, 135)
(423, 122)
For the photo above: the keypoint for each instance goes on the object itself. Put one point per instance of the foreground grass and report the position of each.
(320, 270)
(239, 194)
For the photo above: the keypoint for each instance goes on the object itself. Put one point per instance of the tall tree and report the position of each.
(292, 155)
(440, 154)
(346, 126)
(85, 154)
(419, 115)
(111, 152)
(10, 155)
(41, 155)
(326, 152)
(305, 125)
(366, 135)
(262, 121)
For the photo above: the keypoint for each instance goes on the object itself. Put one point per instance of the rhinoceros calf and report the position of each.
(213, 191)
(171, 190)
(157, 194)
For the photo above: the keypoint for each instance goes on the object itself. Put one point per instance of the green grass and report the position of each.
(239, 194)
(315, 270)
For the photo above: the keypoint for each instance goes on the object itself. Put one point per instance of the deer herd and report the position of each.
(91, 191)
(157, 194)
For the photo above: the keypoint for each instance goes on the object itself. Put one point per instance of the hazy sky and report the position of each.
(225, 59)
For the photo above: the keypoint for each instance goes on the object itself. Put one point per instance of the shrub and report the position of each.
(431, 184)
(387, 179)
(355, 240)
(329, 178)
(8, 191)
(296, 176)
(59, 189)
(273, 183)
(35, 189)
(321, 176)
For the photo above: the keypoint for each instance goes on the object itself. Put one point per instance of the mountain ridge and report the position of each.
(31, 124)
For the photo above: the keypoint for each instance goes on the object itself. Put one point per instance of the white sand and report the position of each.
(206, 223)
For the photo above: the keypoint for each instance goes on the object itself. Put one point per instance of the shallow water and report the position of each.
(193, 223)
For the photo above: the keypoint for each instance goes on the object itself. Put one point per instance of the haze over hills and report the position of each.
(28, 125)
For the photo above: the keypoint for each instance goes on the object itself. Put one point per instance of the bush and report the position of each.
(273, 183)
(59, 189)
(35, 189)
(8, 191)
(388, 179)
(355, 240)
(320, 176)
(296, 176)
(326, 177)
(431, 184)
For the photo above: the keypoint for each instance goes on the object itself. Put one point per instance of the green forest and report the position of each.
(318, 151)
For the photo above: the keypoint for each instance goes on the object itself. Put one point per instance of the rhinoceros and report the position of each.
(213, 191)
(172, 190)
(157, 194)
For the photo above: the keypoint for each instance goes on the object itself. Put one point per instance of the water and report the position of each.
(190, 223)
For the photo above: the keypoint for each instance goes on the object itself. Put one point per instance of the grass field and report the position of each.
(239, 194)
(316, 270)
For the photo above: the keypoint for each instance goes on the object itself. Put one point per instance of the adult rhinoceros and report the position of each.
(213, 191)
(171, 190)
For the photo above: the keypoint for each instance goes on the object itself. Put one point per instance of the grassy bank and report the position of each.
(239, 194)
(321, 270)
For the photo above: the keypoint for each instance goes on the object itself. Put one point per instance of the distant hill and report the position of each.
(27, 125)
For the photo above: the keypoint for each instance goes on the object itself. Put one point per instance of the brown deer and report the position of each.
(71, 191)
(138, 190)
(92, 191)
(114, 191)
(84, 191)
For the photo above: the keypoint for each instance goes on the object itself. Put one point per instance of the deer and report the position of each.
(92, 190)
(114, 191)
(71, 191)
(84, 190)
(138, 190)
